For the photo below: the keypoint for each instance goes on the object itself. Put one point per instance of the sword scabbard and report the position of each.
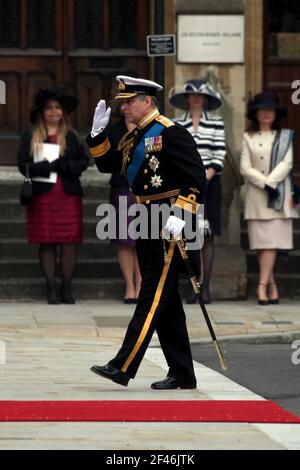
(196, 283)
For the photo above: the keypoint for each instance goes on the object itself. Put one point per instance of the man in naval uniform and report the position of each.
(162, 165)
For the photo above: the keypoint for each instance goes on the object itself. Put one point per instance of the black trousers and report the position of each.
(159, 308)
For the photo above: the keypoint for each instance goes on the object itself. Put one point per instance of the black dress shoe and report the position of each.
(276, 300)
(191, 299)
(263, 302)
(170, 383)
(205, 296)
(52, 297)
(66, 295)
(111, 373)
(130, 301)
(206, 300)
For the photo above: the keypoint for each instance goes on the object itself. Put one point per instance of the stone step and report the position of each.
(287, 263)
(34, 289)
(17, 228)
(12, 192)
(10, 209)
(288, 285)
(86, 269)
(12, 248)
(25, 289)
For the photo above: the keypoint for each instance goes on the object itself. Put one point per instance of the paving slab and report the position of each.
(50, 351)
(125, 436)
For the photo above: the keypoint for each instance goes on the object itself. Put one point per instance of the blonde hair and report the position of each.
(39, 134)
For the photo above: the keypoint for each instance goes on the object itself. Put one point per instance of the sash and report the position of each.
(139, 153)
(281, 146)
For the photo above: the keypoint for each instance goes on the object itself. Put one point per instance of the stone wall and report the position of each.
(230, 80)
(210, 6)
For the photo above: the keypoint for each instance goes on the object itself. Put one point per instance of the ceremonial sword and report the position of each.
(197, 289)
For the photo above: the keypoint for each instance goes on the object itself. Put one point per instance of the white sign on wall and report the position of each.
(211, 38)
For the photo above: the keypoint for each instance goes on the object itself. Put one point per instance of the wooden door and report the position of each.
(106, 38)
(282, 60)
(83, 43)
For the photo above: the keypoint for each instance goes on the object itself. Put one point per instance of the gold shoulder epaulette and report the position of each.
(166, 122)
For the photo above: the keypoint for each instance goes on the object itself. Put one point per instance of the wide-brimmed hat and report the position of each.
(128, 87)
(266, 99)
(196, 87)
(67, 101)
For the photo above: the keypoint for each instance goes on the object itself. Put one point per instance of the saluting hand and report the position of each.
(101, 118)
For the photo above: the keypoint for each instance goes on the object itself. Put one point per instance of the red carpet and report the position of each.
(145, 411)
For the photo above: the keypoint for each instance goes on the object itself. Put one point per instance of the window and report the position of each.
(89, 23)
(40, 24)
(284, 29)
(123, 23)
(9, 23)
(106, 24)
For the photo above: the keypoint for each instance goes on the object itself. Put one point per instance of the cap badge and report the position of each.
(122, 85)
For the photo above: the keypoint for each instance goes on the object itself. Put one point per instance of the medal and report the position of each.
(156, 181)
(154, 164)
(153, 144)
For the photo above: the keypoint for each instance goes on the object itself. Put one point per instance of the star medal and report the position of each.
(154, 164)
(156, 181)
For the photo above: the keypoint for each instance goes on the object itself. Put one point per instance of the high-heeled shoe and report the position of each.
(191, 298)
(276, 300)
(262, 301)
(130, 301)
(66, 295)
(52, 297)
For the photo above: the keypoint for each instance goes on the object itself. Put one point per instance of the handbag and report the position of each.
(26, 193)
(296, 194)
(295, 190)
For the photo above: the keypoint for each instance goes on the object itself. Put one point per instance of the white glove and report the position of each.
(207, 229)
(101, 118)
(174, 226)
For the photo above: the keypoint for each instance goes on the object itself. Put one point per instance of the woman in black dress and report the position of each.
(126, 246)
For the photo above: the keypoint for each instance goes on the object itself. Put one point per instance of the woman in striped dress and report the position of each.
(199, 99)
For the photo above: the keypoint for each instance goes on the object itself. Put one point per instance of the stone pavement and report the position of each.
(49, 351)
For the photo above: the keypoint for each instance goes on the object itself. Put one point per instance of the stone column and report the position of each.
(254, 46)
(170, 25)
(229, 279)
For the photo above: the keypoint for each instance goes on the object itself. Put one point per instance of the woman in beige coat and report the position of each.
(266, 164)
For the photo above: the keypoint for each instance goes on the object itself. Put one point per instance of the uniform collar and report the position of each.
(148, 118)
